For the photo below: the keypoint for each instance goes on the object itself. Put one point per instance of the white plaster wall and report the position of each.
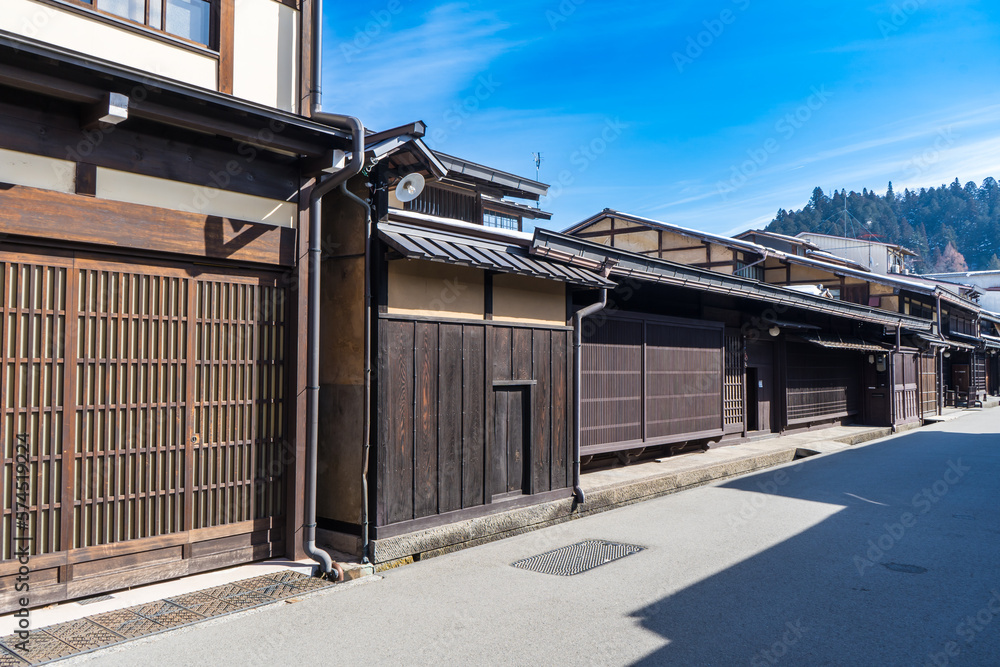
(34, 171)
(135, 189)
(72, 31)
(265, 54)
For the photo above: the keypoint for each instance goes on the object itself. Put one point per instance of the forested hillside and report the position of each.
(965, 217)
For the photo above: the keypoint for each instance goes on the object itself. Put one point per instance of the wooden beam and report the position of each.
(227, 39)
(260, 136)
(56, 133)
(86, 179)
(43, 213)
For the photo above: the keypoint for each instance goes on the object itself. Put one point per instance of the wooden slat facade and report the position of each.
(978, 368)
(152, 398)
(821, 384)
(650, 380)
(734, 405)
(906, 389)
(469, 415)
(929, 384)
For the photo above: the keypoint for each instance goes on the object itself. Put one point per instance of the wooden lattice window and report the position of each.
(32, 398)
(733, 400)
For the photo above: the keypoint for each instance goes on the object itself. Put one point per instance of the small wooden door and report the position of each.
(960, 377)
(878, 392)
(760, 386)
(511, 438)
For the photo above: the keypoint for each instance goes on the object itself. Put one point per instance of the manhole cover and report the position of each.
(908, 569)
(577, 558)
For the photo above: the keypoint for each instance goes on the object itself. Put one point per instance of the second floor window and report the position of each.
(497, 219)
(187, 19)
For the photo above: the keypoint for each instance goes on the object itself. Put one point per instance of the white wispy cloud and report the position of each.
(398, 75)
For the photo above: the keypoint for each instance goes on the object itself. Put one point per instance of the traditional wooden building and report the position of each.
(793, 372)
(157, 173)
(464, 407)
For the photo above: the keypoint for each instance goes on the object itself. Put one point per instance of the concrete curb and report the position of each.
(393, 552)
(404, 549)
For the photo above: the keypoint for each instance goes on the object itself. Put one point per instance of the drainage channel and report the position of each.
(64, 640)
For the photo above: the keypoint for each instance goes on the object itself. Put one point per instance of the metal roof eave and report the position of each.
(518, 186)
(585, 253)
(440, 246)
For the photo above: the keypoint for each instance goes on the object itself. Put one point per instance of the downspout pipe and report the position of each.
(353, 167)
(339, 179)
(365, 542)
(578, 387)
(892, 382)
(940, 357)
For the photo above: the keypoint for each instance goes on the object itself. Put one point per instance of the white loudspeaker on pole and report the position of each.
(410, 188)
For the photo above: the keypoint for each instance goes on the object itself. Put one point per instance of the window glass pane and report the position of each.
(130, 9)
(156, 14)
(494, 219)
(189, 19)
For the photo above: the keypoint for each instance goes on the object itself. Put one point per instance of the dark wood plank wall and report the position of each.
(650, 380)
(439, 386)
(446, 203)
(821, 384)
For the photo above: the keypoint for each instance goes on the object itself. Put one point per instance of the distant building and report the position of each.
(880, 257)
(988, 283)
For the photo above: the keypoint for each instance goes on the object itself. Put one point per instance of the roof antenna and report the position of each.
(538, 165)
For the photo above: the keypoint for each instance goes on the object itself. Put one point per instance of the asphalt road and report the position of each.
(884, 554)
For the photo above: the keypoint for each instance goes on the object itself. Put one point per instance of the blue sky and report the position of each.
(706, 114)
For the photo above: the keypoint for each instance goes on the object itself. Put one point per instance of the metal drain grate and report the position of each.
(577, 558)
(113, 627)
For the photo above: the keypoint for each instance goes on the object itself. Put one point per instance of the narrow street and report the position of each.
(883, 554)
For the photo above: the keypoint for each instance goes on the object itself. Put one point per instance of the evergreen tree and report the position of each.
(926, 220)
